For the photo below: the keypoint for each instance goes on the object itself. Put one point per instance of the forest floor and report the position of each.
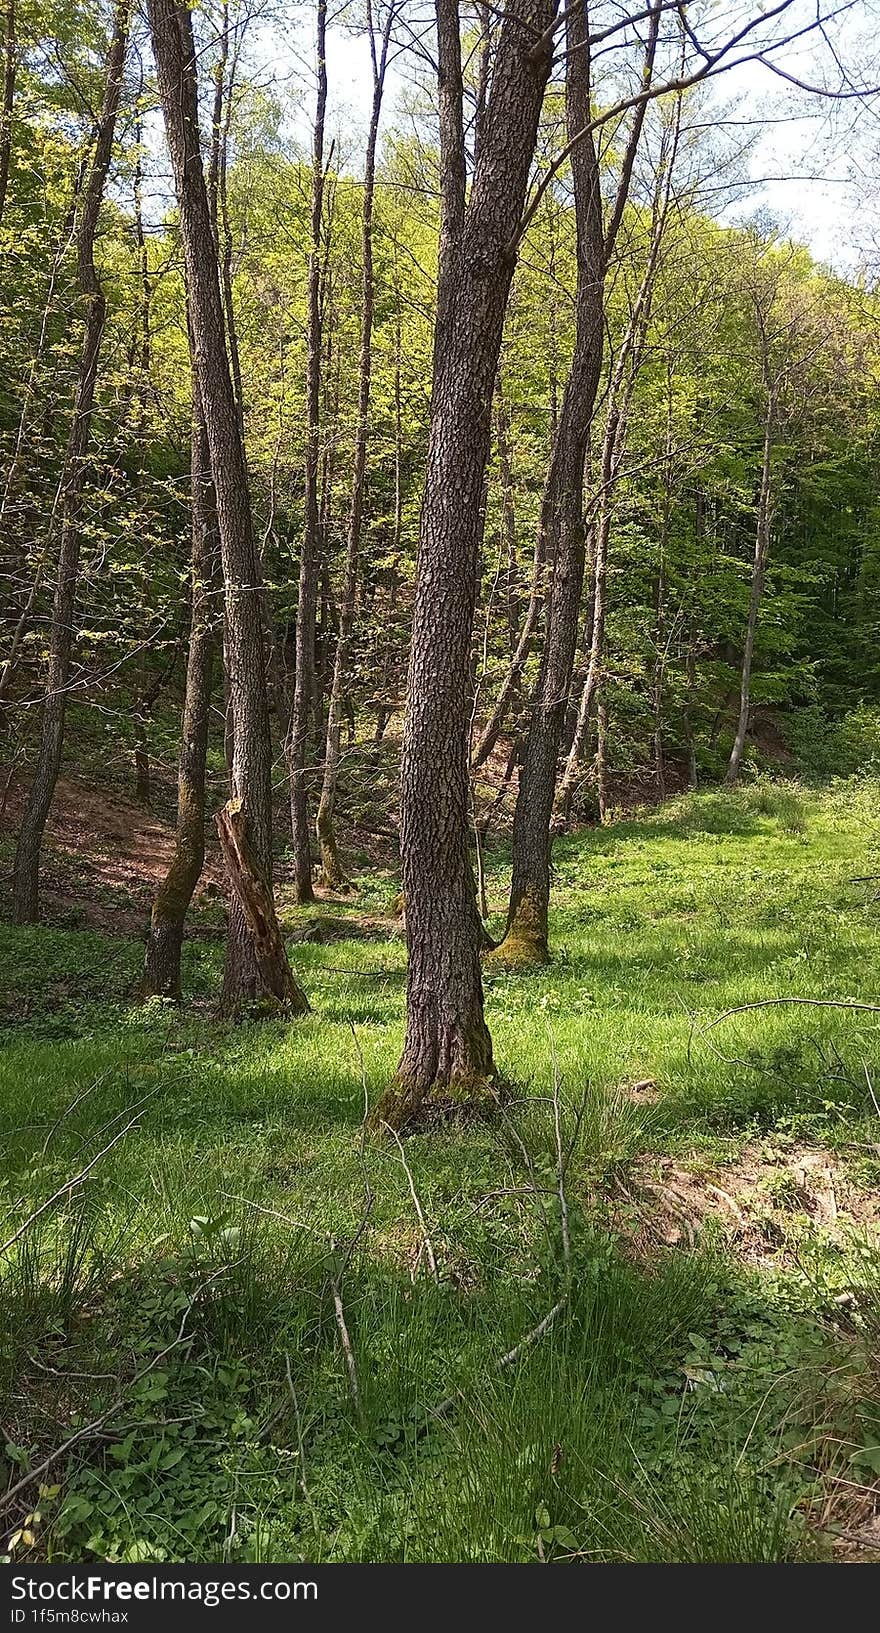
(291, 1341)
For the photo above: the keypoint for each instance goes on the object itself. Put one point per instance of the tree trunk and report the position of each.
(255, 899)
(448, 1051)
(568, 782)
(602, 756)
(303, 683)
(332, 872)
(759, 567)
(171, 28)
(8, 102)
(171, 903)
(26, 866)
(564, 544)
(508, 690)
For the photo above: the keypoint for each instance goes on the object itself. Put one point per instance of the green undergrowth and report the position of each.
(690, 1401)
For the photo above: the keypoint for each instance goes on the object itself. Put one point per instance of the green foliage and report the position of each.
(827, 748)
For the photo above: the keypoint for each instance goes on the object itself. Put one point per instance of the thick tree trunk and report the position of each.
(304, 670)
(759, 568)
(171, 904)
(448, 1050)
(332, 872)
(171, 28)
(26, 866)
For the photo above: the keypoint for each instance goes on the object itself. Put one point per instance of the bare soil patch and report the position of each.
(760, 1201)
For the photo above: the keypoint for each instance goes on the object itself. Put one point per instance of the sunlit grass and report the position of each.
(595, 1444)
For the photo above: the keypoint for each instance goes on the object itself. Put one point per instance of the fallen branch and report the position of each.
(426, 1240)
(769, 1003)
(345, 1339)
(93, 1428)
(65, 1189)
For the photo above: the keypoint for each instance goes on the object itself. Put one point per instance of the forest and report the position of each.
(439, 782)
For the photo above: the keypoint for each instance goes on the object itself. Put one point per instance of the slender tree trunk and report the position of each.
(759, 568)
(6, 107)
(526, 938)
(508, 516)
(602, 756)
(26, 866)
(173, 49)
(523, 644)
(661, 636)
(569, 779)
(303, 683)
(171, 904)
(332, 871)
(562, 527)
(448, 1050)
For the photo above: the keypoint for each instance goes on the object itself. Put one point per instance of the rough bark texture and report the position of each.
(569, 779)
(26, 867)
(255, 899)
(171, 28)
(564, 543)
(448, 1050)
(304, 671)
(332, 872)
(562, 520)
(161, 975)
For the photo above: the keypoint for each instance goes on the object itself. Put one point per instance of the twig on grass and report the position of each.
(92, 1429)
(426, 1239)
(345, 1339)
(769, 1003)
(65, 1189)
(300, 1443)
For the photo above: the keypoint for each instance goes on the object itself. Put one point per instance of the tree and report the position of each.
(332, 872)
(161, 975)
(245, 825)
(448, 1049)
(26, 866)
(787, 342)
(304, 660)
(562, 518)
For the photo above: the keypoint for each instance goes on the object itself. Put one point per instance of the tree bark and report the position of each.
(448, 1051)
(161, 975)
(568, 782)
(759, 568)
(26, 866)
(304, 670)
(332, 871)
(255, 900)
(6, 108)
(173, 49)
(562, 527)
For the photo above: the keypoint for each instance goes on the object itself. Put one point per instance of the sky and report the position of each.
(803, 169)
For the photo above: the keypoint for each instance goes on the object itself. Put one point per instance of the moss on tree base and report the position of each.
(517, 952)
(460, 1099)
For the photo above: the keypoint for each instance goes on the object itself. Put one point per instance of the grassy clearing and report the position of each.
(709, 1391)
